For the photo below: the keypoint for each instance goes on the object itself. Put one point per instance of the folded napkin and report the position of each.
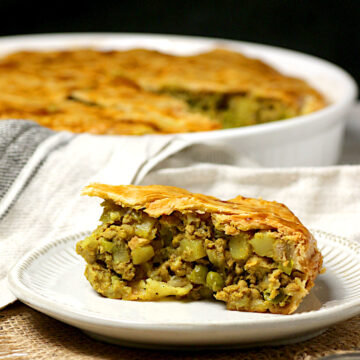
(43, 172)
(326, 198)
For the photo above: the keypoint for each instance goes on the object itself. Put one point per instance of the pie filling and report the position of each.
(133, 256)
(234, 110)
(229, 110)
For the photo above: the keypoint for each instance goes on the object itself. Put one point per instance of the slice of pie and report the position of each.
(160, 241)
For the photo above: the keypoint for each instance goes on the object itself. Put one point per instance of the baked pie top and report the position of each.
(141, 91)
(218, 71)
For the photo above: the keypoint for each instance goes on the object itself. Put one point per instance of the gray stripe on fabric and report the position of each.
(18, 141)
(34, 171)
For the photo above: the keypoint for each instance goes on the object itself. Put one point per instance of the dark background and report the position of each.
(328, 29)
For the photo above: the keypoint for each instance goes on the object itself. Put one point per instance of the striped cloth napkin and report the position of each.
(42, 173)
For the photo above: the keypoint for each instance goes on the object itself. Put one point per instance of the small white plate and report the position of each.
(50, 279)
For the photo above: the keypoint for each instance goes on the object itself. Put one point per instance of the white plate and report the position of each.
(50, 279)
(309, 140)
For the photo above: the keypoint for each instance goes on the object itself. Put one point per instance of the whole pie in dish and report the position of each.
(141, 91)
(157, 241)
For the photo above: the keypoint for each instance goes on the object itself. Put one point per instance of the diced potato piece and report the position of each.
(178, 281)
(263, 243)
(146, 229)
(241, 111)
(214, 281)
(111, 216)
(120, 254)
(111, 212)
(198, 275)
(158, 289)
(245, 110)
(142, 254)
(89, 242)
(215, 257)
(107, 245)
(192, 250)
(240, 249)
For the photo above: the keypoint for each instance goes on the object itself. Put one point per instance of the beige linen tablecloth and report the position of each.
(28, 334)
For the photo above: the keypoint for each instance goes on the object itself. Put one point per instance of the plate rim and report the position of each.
(334, 314)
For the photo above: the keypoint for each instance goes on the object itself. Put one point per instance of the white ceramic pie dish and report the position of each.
(51, 279)
(310, 140)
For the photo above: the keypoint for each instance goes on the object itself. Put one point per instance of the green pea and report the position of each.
(198, 275)
(142, 254)
(214, 281)
(107, 245)
(120, 254)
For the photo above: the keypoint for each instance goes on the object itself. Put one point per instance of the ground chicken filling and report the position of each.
(133, 256)
(235, 110)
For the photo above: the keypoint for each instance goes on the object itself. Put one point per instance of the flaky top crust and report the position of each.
(243, 213)
(122, 92)
(219, 71)
(66, 97)
(238, 214)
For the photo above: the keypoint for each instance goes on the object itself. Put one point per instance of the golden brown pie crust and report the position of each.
(121, 92)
